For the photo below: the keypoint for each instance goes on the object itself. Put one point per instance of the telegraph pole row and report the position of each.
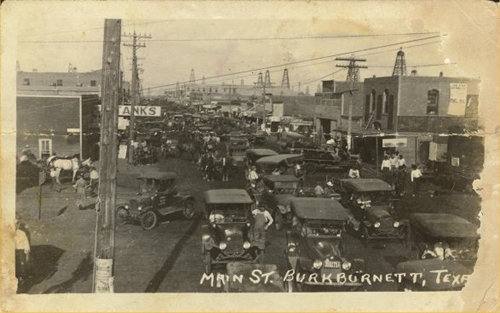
(105, 207)
(135, 88)
(352, 76)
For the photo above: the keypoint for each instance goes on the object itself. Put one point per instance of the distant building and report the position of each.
(63, 83)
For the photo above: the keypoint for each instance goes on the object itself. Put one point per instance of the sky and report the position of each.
(194, 39)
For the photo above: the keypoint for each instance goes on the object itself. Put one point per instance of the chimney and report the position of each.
(440, 74)
(414, 73)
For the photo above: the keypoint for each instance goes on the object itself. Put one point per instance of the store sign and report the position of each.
(139, 110)
(458, 99)
(394, 142)
(73, 130)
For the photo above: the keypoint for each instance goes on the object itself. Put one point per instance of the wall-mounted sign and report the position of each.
(394, 142)
(73, 130)
(139, 110)
(458, 99)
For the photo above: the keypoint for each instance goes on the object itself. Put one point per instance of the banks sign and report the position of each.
(139, 110)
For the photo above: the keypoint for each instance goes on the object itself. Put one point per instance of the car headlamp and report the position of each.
(396, 224)
(376, 225)
(346, 265)
(126, 206)
(222, 245)
(317, 264)
(248, 224)
(139, 208)
(246, 245)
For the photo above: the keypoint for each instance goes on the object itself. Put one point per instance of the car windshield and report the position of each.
(322, 229)
(228, 213)
(374, 197)
(156, 185)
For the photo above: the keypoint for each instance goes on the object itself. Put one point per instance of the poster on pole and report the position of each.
(458, 99)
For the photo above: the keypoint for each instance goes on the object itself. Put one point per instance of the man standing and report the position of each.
(386, 169)
(415, 177)
(262, 219)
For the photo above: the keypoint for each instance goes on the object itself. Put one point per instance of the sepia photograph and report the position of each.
(237, 153)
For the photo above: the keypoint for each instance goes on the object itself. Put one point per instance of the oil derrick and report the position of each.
(352, 68)
(177, 90)
(400, 65)
(285, 81)
(267, 80)
(191, 77)
(260, 83)
(203, 80)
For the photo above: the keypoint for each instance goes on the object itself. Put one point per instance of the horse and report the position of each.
(64, 164)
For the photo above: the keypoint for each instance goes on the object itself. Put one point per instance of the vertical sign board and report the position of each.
(458, 99)
(278, 109)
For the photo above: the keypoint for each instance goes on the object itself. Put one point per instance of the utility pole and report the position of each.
(105, 207)
(352, 77)
(135, 88)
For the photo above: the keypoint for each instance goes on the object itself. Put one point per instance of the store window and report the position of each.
(385, 107)
(432, 102)
(59, 82)
(45, 148)
(26, 82)
(93, 83)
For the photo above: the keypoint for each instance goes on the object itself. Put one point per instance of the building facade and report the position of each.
(65, 125)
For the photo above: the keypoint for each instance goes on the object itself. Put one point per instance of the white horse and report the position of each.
(64, 164)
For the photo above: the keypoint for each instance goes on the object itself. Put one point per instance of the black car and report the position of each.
(315, 244)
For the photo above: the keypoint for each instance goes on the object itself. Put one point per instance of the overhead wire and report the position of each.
(303, 61)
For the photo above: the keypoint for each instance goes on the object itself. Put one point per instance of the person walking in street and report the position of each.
(400, 182)
(53, 176)
(79, 187)
(252, 176)
(354, 172)
(401, 161)
(386, 169)
(23, 251)
(415, 177)
(94, 178)
(262, 219)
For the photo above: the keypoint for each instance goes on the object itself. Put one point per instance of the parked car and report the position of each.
(157, 198)
(279, 190)
(285, 162)
(371, 200)
(253, 155)
(237, 145)
(228, 234)
(324, 160)
(439, 242)
(315, 243)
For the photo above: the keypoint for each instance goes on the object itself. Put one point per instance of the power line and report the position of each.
(308, 60)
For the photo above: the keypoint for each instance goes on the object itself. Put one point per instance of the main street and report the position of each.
(168, 258)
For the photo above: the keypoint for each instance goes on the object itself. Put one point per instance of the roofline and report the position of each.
(54, 96)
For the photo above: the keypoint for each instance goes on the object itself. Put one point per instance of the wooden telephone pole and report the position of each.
(135, 88)
(105, 207)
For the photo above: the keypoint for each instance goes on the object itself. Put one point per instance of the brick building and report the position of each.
(420, 111)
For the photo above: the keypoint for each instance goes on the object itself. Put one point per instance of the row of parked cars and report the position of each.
(315, 227)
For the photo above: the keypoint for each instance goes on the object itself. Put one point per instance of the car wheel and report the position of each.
(188, 211)
(122, 214)
(278, 220)
(207, 261)
(149, 220)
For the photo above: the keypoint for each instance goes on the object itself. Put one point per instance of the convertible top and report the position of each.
(157, 175)
(262, 152)
(366, 184)
(227, 196)
(319, 209)
(443, 225)
(276, 159)
(281, 178)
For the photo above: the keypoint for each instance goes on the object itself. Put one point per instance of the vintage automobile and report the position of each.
(237, 145)
(315, 244)
(228, 235)
(439, 242)
(285, 162)
(253, 155)
(324, 160)
(246, 277)
(279, 190)
(371, 200)
(158, 199)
